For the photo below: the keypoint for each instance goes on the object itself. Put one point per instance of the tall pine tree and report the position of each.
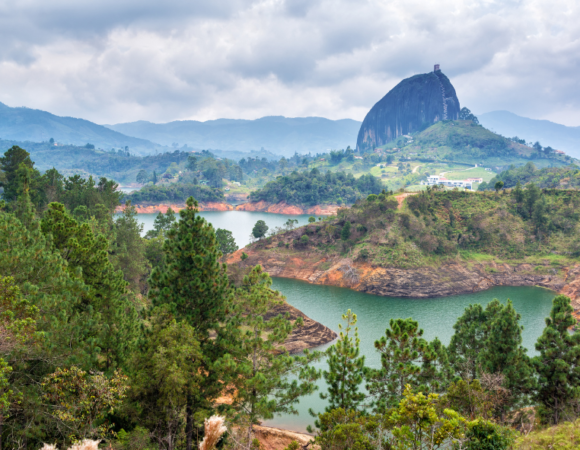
(346, 368)
(558, 364)
(194, 285)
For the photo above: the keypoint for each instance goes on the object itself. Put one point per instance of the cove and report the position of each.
(436, 317)
(240, 223)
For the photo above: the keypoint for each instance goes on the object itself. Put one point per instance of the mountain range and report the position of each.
(547, 133)
(277, 134)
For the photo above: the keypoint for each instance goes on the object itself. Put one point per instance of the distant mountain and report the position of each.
(276, 134)
(413, 104)
(547, 133)
(25, 124)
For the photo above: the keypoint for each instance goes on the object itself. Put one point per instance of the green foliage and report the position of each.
(487, 435)
(260, 229)
(565, 436)
(314, 187)
(466, 114)
(162, 224)
(226, 242)
(558, 364)
(166, 374)
(311, 219)
(406, 359)
(346, 368)
(345, 232)
(177, 192)
(81, 401)
(129, 251)
(262, 370)
(419, 424)
(549, 177)
(13, 160)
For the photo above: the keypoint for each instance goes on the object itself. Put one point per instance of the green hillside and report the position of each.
(549, 177)
(462, 141)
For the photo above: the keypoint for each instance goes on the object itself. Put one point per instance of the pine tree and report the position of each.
(10, 163)
(195, 286)
(226, 242)
(260, 364)
(116, 319)
(503, 351)
(406, 359)
(467, 341)
(558, 364)
(346, 369)
(129, 253)
(166, 373)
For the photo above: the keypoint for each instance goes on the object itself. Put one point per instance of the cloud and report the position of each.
(124, 60)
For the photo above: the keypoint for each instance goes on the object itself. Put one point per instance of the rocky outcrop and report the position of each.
(285, 208)
(458, 277)
(411, 105)
(277, 439)
(162, 208)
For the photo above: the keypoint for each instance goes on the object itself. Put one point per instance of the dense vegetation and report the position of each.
(314, 188)
(178, 193)
(567, 177)
(439, 224)
(132, 341)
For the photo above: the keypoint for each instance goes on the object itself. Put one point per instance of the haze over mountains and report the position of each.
(277, 134)
(549, 133)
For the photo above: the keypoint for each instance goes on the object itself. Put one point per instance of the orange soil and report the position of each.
(285, 208)
(162, 208)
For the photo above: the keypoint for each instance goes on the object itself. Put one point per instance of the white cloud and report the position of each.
(113, 61)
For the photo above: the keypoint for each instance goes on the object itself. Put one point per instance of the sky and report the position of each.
(114, 61)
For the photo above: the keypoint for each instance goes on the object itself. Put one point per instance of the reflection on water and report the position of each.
(436, 317)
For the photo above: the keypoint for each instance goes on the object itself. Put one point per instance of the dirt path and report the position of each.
(416, 168)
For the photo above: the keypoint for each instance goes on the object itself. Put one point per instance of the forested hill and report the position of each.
(315, 188)
(567, 177)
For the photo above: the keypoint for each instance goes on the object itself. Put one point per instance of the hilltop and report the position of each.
(25, 124)
(557, 135)
(412, 105)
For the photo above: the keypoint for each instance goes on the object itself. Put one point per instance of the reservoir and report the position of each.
(326, 304)
(240, 223)
(436, 317)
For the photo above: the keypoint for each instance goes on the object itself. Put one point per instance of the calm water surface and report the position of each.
(326, 304)
(436, 317)
(240, 223)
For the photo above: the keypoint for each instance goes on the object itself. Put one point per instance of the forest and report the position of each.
(315, 187)
(155, 343)
(567, 177)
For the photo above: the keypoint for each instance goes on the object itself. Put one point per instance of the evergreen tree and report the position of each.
(261, 366)
(467, 342)
(226, 242)
(260, 229)
(558, 364)
(195, 286)
(503, 351)
(166, 373)
(345, 232)
(10, 163)
(129, 253)
(116, 323)
(346, 369)
(406, 358)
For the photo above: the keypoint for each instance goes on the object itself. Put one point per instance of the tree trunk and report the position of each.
(1, 431)
(189, 423)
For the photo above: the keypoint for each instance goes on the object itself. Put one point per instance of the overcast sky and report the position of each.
(113, 61)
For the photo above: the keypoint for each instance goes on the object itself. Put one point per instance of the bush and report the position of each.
(487, 435)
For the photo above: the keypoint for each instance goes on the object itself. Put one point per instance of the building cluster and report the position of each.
(465, 184)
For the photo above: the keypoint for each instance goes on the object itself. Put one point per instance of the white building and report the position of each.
(436, 179)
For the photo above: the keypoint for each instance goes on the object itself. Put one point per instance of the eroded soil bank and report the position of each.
(275, 208)
(458, 277)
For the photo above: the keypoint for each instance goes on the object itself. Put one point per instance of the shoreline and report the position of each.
(272, 208)
(450, 278)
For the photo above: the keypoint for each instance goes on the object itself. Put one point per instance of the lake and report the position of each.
(240, 223)
(436, 317)
(326, 304)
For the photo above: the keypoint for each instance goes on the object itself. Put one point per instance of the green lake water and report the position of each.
(326, 304)
(436, 317)
(240, 223)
